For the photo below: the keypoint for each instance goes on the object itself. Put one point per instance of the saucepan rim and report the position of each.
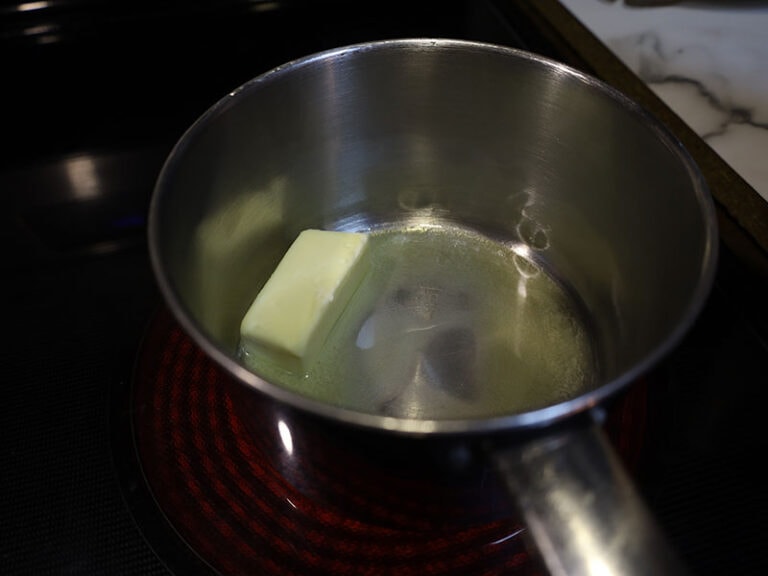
(418, 427)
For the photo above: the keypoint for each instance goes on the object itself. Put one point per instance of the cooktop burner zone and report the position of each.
(219, 468)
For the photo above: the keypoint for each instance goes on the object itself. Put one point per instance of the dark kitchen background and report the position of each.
(124, 451)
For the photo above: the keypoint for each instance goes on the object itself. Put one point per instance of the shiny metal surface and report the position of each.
(581, 507)
(499, 140)
(520, 148)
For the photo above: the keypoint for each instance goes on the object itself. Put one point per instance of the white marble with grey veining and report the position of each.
(707, 60)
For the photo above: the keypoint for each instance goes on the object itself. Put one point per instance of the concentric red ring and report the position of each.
(212, 460)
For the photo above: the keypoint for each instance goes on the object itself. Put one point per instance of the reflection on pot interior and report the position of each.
(446, 323)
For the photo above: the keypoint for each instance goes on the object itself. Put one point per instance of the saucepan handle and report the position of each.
(581, 507)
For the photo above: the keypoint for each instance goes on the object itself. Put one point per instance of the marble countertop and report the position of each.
(707, 60)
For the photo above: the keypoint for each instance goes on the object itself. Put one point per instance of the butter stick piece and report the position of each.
(310, 288)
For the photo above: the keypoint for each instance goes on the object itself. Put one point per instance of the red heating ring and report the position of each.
(213, 473)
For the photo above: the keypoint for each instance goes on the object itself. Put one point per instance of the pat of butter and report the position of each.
(310, 288)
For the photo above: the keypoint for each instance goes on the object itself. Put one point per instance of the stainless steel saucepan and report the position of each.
(555, 242)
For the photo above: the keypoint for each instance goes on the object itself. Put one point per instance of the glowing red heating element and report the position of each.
(252, 492)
